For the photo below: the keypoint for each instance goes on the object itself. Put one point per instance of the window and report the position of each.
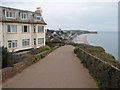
(12, 43)
(10, 14)
(24, 15)
(40, 29)
(12, 28)
(34, 41)
(37, 17)
(25, 42)
(40, 40)
(34, 29)
(25, 28)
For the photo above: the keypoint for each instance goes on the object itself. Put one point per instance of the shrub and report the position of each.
(44, 48)
(34, 51)
(42, 55)
(72, 43)
(8, 59)
(105, 75)
(25, 55)
(35, 59)
(76, 50)
(51, 44)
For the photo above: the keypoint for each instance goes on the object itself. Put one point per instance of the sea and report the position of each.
(107, 40)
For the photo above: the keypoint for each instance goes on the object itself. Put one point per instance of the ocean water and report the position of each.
(107, 40)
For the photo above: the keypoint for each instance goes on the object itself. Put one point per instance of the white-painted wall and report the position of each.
(1, 35)
(20, 35)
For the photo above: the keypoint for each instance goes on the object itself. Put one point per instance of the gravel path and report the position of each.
(60, 69)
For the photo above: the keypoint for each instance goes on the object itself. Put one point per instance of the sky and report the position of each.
(93, 15)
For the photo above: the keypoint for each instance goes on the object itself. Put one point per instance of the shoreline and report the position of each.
(81, 39)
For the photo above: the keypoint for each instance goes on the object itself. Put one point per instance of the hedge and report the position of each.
(105, 74)
(10, 72)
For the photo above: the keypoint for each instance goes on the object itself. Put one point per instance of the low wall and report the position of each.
(10, 72)
(106, 75)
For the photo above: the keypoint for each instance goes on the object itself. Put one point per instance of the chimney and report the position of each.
(38, 10)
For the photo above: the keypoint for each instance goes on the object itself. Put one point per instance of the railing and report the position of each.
(100, 59)
(106, 74)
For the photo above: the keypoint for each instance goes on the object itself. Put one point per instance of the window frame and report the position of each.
(11, 28)
(25, 42)
(24, 16)
(12, 44)
(23, 29)
(40, 41)
(42, 28)
(36, 18)
(10, 14)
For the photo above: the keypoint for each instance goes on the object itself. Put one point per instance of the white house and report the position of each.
(21, 29)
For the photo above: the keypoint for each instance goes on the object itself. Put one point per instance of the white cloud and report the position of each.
(58, 1)
(73, 14)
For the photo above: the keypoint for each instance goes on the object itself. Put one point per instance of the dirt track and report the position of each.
(60, 69)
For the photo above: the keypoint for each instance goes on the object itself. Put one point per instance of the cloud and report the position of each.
(73, 14)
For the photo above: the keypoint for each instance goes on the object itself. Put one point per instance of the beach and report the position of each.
(81, 39)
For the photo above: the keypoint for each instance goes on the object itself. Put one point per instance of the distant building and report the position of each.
(21, 29)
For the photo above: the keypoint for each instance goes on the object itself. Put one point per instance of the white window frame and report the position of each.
(13, 28)
(23, 28)
(25, 42)
(11, 14)
(42, 28)
(12, 43)
(40, 41)
(24, 16)
(36, 18)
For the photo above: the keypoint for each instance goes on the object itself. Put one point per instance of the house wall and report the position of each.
(1, 35)
(5, 36)
(21, 35)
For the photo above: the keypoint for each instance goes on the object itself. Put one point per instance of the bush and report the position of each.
(35, 59)
(8, 59)
(42, 55)
(25, 55)
(105, 75)
(34, 51)
(100, 53)
(52, 44)
(44, 48)
(72, 43)
(76, 50)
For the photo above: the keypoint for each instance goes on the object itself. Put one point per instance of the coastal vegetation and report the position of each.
(100, 53)
(102, 66)
(57, 37)
(11, 58)
(28, 59)
(83, 31)
(8, 59)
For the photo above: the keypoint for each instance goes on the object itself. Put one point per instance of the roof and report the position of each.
(30, 20)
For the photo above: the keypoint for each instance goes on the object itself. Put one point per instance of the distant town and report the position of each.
(66, 35)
